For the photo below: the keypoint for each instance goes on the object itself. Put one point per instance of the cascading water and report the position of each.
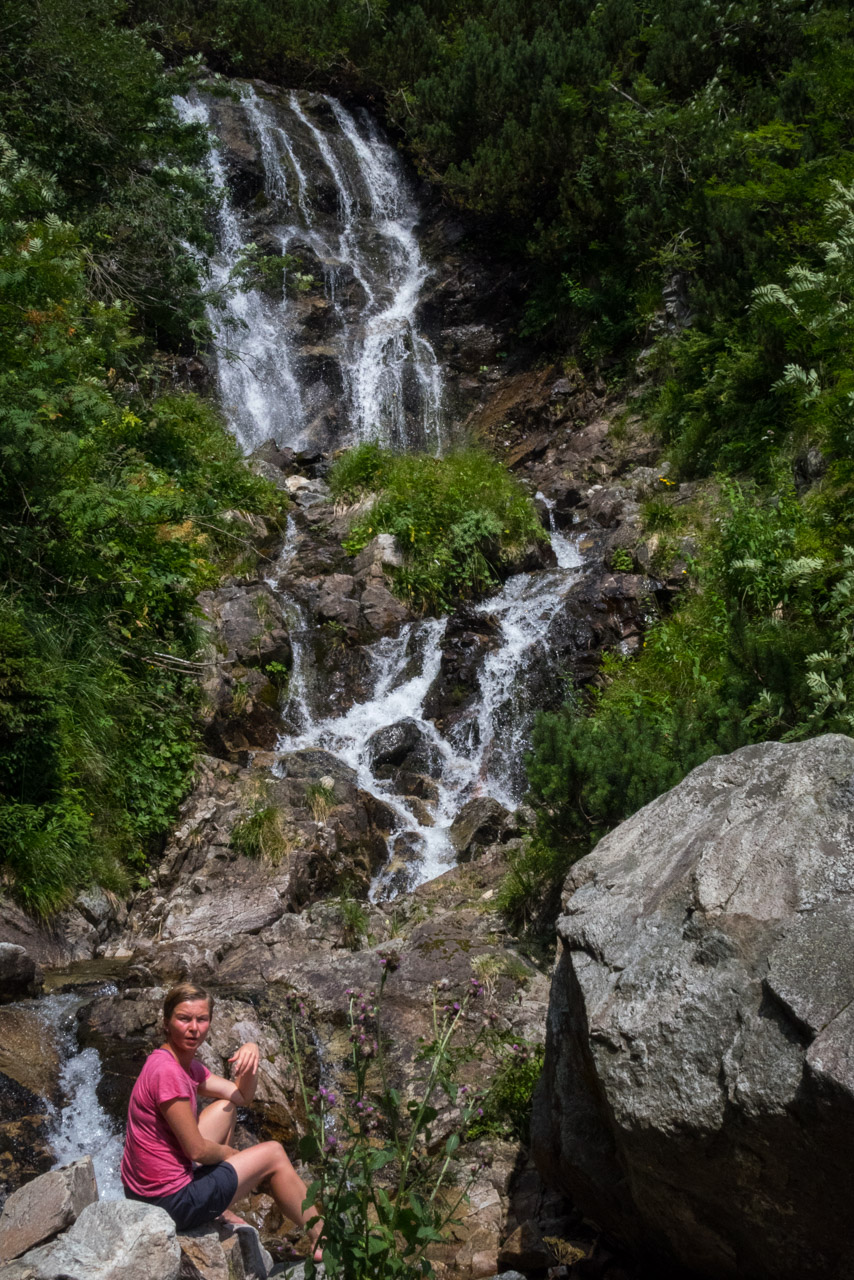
(484, 756)
(391, 385)
(258, 389)
(81, 1127)
(337, 194)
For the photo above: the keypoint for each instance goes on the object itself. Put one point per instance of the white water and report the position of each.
(483, 755)
(337, 188)
(258, 389)
(392, 382)
(81, 1127)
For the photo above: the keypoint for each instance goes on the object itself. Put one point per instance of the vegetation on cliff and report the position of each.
(114, 493)
(461, 520)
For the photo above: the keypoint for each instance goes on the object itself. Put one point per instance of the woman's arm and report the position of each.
(240, 1090)
(180, 1117)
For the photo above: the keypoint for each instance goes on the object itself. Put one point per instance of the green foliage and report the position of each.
(111, 520)
(621, 560)
(320, 797)
(261, 834)
(85, 97)
(761, 649)
(507, 1106)
(388, 1189)
(536, 870)
(359, 471)
(354, 920)
(459, 520)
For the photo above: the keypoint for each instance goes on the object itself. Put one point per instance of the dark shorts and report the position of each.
(212, 1190)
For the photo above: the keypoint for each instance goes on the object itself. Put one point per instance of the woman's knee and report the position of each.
(274, 1152)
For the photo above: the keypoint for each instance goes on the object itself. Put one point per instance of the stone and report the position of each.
(270, 453)
(208, 1253)
(336, 603)
(383, 550)
(697, 1098)
(524, 1250)
(478, 823)
(469, 636)
(19, 973)
(111, 1240)
(42, 1208)
(403, 744)
(28, 1056)
(246, 625)
(313, 764)
(257, 1262)
(381, 612)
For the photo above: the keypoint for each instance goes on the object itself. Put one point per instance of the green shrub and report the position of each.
(621, 560)
(261, 835)
(459, 520)
(507, 1105)
(530, 888)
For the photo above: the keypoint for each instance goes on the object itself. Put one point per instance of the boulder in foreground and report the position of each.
(698, 1093)
(111, 1240)
(42, 1208)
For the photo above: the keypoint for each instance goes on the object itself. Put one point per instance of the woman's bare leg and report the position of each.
(216, 1122)
(268, 1160)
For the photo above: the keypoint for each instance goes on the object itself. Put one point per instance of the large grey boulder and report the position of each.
(111, 1240)
(42, 1208)
(698, 1093)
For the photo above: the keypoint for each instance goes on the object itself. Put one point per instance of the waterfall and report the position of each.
(258, 389)
(390, 382)
(349, 363)
(81, 1127)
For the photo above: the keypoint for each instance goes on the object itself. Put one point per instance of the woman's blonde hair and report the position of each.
(185, 991)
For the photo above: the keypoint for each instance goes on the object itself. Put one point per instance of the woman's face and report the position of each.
(189, 1025)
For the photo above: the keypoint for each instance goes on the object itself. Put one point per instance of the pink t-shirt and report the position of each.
(154, 1162)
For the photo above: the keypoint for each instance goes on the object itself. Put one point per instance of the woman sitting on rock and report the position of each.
(186, 1165)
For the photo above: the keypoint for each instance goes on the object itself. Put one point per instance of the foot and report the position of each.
(232, 1219)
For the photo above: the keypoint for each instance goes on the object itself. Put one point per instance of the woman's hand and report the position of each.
(244, 1069)
(246, 1059)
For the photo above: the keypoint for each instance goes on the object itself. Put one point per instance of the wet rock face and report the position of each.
(698, 1096)
(19, 973)
(246, 624)
(29, 1085)
(403, 746)
(469, 637)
